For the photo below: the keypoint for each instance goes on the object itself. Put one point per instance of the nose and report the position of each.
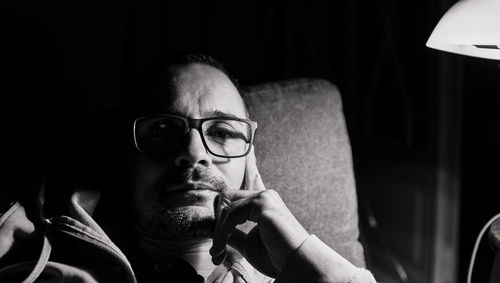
(193, 152)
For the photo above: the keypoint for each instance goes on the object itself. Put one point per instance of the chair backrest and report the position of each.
(494, 237)
(303, 152)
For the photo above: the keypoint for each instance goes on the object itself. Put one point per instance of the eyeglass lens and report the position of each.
(224, 137)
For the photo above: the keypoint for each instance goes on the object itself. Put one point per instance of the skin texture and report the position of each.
(277, 233)
(183, 222)
(195, 91)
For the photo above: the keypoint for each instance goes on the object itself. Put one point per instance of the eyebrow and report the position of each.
(209, 113)
(220, 114)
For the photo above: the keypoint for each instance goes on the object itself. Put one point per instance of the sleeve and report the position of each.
(314, 261)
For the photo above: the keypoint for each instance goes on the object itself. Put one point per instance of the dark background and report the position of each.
(414, 114)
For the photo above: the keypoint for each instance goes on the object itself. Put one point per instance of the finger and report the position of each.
(227, 196)
(218, 259)
(224, 199)
(220, 235)
(254, 254)
(253, 180)
(237, 240)
(236, 213)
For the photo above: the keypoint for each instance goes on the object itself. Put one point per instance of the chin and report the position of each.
(194, 212)
(178, 216)
(183, 223)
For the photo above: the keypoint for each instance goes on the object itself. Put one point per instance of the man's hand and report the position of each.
(277, 233)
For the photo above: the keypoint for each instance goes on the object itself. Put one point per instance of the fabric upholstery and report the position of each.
(303, 152)
(494, 235)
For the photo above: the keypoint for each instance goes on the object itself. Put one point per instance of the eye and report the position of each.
(165, 128)
(223, 132)
(159, 130)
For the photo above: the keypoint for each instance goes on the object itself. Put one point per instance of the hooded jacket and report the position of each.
(47, 241)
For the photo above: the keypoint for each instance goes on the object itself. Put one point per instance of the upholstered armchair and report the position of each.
(303, 152)
(302, 149)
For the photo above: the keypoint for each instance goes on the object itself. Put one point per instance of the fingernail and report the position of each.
(218, 259)
(214, 252)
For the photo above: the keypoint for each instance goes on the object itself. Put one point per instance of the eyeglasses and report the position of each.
(222, 137)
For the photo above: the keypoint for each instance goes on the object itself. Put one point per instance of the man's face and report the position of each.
(173, 195)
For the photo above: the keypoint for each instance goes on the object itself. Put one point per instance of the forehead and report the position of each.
(197, 90)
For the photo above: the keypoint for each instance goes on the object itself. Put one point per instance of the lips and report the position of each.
(191, 186)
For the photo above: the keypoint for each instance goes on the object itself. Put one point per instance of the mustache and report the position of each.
(197, 174)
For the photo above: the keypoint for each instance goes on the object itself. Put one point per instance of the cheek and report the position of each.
(143, 175)
(234, 172)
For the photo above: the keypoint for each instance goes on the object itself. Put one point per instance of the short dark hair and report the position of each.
(205, 60)
(154, 74)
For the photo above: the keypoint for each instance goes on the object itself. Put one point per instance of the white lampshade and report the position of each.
(470, 27)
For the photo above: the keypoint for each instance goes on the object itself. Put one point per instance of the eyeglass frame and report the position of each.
(192, 123)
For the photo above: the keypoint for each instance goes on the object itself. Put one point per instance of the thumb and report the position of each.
(253, 180)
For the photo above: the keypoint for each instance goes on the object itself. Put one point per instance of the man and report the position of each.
(189, 182)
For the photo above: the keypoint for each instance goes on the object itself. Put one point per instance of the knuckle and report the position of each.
(266, 199)
(224, 211)
(230, 207)
(224, 198)
(269, 195)
(274, 193)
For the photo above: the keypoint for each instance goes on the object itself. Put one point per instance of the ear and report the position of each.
(252, 179)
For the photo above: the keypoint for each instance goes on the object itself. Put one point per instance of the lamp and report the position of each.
(470, 27)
